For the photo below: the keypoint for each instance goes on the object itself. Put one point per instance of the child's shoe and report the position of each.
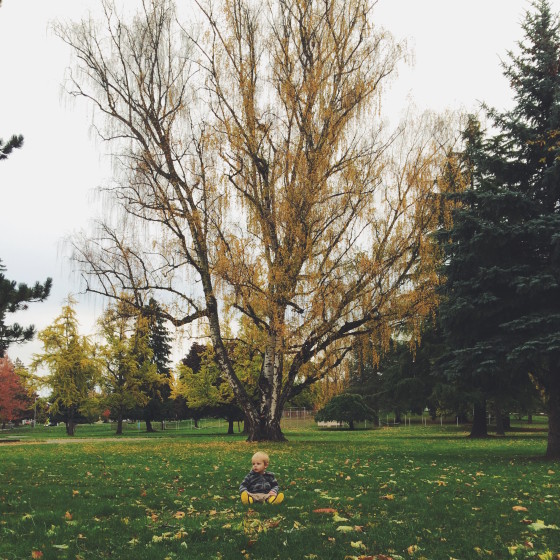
(276, 499)
(246, 499)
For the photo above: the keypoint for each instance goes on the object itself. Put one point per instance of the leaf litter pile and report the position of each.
(382, 494)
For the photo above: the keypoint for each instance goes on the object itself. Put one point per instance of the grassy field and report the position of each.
(406, 492)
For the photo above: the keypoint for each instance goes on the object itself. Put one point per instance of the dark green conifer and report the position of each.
(16, 297)
(502, 313)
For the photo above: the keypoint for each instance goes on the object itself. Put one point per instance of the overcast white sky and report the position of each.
(46, 188)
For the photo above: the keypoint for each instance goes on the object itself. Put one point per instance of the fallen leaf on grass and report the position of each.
(36, 554)
(68, 516)
(324, 510)
(388, 497)
(358, 544)
(519, 508)
(412, 549)
(338, 519)
(538, 525)
(345, 528)
(179, 515)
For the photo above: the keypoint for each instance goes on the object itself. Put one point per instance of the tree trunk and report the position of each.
(265, 430)
(119, 425)
(70, 428)
(230, 427)
(479, 428)
(529, 417)
(149, 427)
(553, 402)
(500, 428)
(351, 424)
(70, 423)
(195, 423)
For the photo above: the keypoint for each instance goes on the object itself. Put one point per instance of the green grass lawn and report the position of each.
(414, 492)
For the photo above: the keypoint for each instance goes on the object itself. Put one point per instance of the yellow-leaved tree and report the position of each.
(258, 181)
(72, 364)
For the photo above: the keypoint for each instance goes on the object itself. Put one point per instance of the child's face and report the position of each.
(259, 466)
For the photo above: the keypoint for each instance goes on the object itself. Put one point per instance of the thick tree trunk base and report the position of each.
(149, 427)
(500, 427)
(265, 431)
(479, 428)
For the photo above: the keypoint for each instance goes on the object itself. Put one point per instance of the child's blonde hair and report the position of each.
(261, 455)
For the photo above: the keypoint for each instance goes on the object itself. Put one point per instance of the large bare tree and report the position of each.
(257, 181)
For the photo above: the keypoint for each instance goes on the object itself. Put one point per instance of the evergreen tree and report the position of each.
(193, 362)
(159, 404)
(16, 141)
(15, 298)
(480, 261)
(503, 291)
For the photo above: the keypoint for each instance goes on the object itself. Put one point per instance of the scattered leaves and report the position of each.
(539, 525)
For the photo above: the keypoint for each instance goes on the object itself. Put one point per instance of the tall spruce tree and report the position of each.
(502, 312)
(480, 261)
(159, 406)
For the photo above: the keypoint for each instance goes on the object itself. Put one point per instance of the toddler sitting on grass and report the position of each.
(260, 485)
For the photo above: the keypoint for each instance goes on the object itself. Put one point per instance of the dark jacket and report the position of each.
(255, 483)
